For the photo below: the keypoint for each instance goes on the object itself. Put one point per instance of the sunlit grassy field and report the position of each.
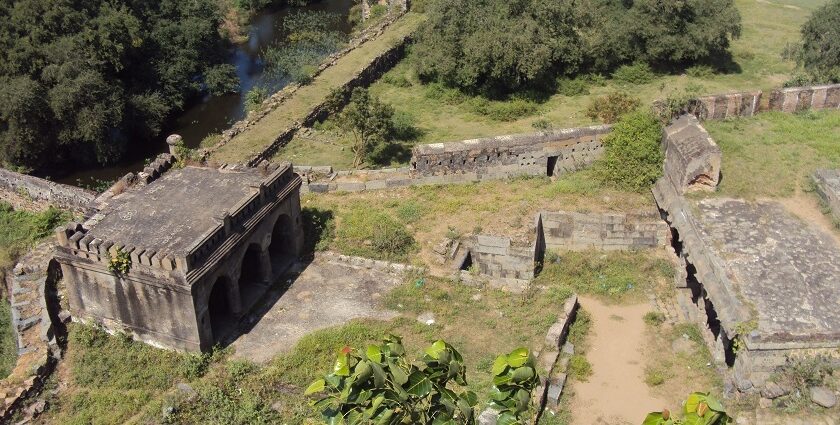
(441, 115)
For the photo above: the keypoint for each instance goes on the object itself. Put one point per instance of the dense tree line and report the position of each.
(81, 78)
(820, 50)
(501, 45)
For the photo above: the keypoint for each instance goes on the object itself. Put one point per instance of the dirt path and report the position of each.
(616, 392)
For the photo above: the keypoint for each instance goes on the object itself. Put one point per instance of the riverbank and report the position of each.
(256, 137)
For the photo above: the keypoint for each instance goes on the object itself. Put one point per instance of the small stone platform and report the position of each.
(827, 184)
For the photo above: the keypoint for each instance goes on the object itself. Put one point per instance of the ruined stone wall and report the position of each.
(827, 183)
(547, 153)
(795, 99)
(692, 158)
(722, 106)
(497, 257)
(603, 231)
(28, 192)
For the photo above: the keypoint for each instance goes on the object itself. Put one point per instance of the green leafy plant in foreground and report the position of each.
(699, 409)
(381, 386)
(514, 379)
(120, 263)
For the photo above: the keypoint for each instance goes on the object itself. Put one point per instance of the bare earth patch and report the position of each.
(323, 295)
(616, 392)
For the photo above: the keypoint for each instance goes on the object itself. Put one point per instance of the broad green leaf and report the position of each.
(418, 384)
(470, 397)
(399, 375)
(714, 404)
(341, 367)
(654, 418)
(693, 402)
(315, 387)
(384, 418)
(507, 418)
(436, 349)
(374, 353)
(378, 375)
(500, 364)
(501, 380)
(523, 374)
(523, 400)
(518, 357)
(363, 371)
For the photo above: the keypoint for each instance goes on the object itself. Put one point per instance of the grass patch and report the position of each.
(8, 346)
(774, 153)
(612, 276)
(374, 235)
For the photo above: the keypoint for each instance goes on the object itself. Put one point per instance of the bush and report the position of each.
(654, 318)
(373, 234)
(575, 87)
(510, 110)
(820, 51)
(632, 156)
(611, 107)
(637, 73)
(700, 71)
(799, 80)
(542, 124)
(255, 97)
(319, 229)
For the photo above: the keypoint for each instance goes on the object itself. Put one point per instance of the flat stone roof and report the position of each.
(172, 212)
(788, 271)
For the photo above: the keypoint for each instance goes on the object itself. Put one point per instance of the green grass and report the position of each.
(774, 153)
(443, 115)
(263, 133)
(8, 346)
(612, 276)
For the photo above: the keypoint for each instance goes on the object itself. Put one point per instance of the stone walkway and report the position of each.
(325, 294)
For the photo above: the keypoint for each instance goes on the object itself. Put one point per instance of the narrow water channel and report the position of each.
(213, 114)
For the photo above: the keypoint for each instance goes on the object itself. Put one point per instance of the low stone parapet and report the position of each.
(795, 99)
(33, 193)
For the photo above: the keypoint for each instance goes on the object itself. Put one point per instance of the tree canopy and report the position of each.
(820, 52)
(81, 78)
(502, 45)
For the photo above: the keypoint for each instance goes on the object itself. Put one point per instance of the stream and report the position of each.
(213, 114)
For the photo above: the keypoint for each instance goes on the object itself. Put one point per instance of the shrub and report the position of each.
(370, 122)
(509, 110)
(678, 103)
(373, 234)
(700, 71)
(637, 73)
(572, 87)
(612, 106)
(632, 156)
(541, 124)
(799, 80)
(255, 97)
(654, 318)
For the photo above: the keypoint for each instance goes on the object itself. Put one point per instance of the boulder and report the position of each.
(823, 396)
(773, 390)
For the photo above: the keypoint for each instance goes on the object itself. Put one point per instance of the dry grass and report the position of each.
(506, 208)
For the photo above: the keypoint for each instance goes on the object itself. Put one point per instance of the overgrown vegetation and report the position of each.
(482, 45)
(371, 123)
(8, 345)
(796, 377)
(819, 53)
(698, 409)
(309, 39)
(632, 156)
(611, 107)
(82, 80)
(374, 234)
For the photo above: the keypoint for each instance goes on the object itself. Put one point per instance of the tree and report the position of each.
(497, 45)
(370, 122)
(664, 33)
(820, 51)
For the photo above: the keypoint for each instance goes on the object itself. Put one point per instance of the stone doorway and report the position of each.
(220, 309)
(282, 250)
(552, 164)
(254, 276)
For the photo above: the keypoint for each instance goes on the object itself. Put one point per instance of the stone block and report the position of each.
(692, 158)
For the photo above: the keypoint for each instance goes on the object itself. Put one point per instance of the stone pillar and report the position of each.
(174, 140)
(265, 266)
